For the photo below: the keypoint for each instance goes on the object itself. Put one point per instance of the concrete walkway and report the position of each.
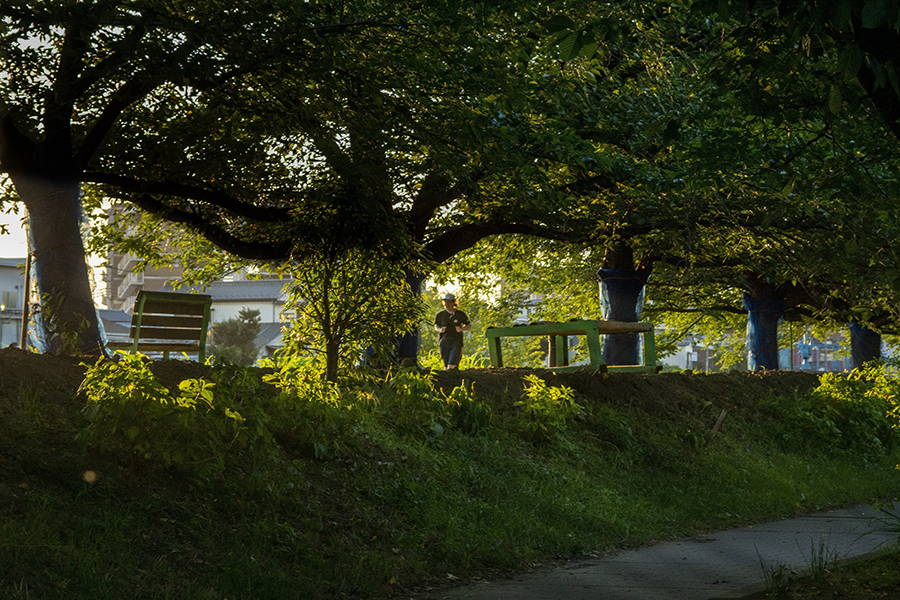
(727, 565)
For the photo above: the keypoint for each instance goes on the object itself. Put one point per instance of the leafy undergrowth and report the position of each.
(216, 484)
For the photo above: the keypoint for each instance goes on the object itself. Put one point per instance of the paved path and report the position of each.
(726, 565)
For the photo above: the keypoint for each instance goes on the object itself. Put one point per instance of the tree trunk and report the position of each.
(865, 345)
(621, 299)
(332, 356)
(67, 322)
(407, 346)
(765, 308)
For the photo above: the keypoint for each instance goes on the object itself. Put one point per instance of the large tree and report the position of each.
(827, 59)
(432, 128)
(259, 128)
(790, 206)
(71, 72)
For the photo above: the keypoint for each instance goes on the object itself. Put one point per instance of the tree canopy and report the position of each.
(279, 133)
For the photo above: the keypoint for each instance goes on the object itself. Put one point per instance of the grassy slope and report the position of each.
(398, 506)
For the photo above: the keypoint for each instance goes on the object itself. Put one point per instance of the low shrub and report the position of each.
(130, 413)
(546, 410)
(848, 412)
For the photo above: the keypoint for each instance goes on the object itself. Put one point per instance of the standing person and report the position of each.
(451, 323)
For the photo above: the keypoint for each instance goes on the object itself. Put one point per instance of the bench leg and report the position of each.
(495, 351)
(562, 350)
(649, 349)
(595, 350)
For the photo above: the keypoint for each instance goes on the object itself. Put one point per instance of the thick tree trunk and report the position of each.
(407, 347)
(67, 322)
(621, 299)
(765, 308)
(865, 345)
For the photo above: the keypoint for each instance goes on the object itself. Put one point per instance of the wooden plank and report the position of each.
(154, 306)
(156, 346)
(169, 321)
(165, 333)
(607, 327)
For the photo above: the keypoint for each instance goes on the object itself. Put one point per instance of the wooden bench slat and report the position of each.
(168, 321)
(152, 306)
(159, 333)
(156, 346)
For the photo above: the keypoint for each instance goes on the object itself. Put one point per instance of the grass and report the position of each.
(876, 576)
(872, 578)
(396, 503)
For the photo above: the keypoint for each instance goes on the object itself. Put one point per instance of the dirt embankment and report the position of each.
(59, 377)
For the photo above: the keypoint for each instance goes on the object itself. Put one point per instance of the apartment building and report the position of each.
(12, 300)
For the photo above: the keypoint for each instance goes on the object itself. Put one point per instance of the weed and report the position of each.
(131, 413)
(409, 400)
(891, 519)
(781, 579)
(468, 414)
(310, 416)
(849, 413)
(546, 410)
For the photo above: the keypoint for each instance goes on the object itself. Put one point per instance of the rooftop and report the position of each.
(224, 291)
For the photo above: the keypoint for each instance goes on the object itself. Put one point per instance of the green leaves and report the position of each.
(131, 414)
(876, 13)
(546, 410)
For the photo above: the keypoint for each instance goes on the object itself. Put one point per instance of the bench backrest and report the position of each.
(170, 321)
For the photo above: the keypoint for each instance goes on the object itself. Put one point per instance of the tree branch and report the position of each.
(133, 90)
(211, 197)
(434, 193)
(463, 237)
(276, 250)
(15, 147)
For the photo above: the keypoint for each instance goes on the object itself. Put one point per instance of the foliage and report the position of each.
(432, 359)
(848, 412)
(310, 415)
(546, 410)
(233, 339)
(346, 302)
(55, 328)
(875, 576)
(470, 415)
(408, 399)
(132, 414)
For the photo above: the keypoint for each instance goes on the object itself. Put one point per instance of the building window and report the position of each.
(10, 300)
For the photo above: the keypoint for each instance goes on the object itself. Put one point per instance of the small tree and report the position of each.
(347, 302)
(234, 338)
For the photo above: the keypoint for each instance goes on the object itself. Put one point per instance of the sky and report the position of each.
(13, 245)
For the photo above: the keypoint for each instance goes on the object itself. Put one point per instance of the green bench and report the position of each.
(166, 322)
(559, 349)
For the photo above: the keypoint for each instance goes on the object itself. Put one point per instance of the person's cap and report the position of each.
(450, 297)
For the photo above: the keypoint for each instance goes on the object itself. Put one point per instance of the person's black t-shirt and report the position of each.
(451, 336)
